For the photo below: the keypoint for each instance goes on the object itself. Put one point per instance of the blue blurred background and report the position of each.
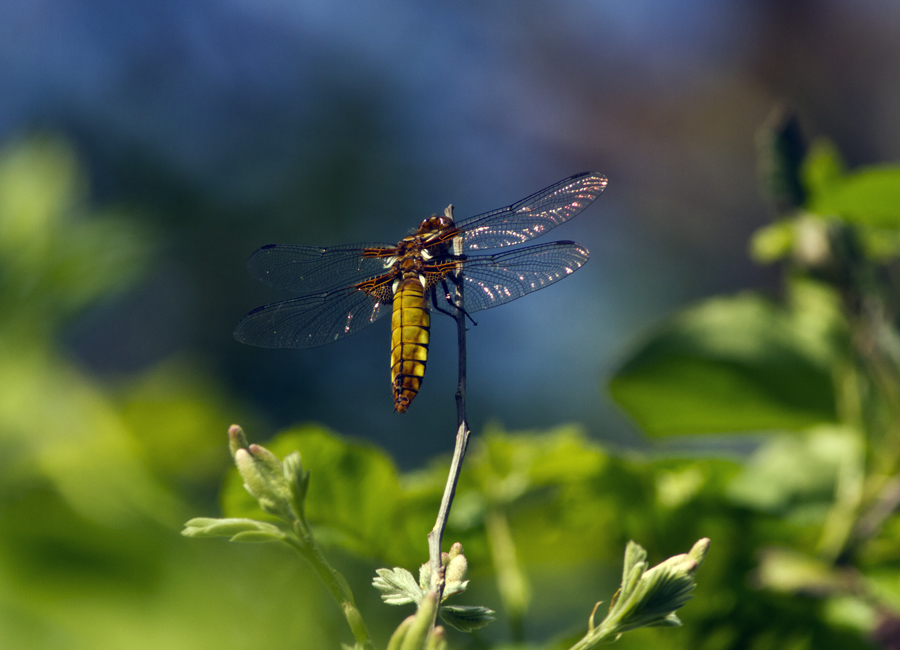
(229, 124)
(148, 148)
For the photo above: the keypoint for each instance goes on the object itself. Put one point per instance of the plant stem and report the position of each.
(336, 585)
(436, 535)
(511, 581)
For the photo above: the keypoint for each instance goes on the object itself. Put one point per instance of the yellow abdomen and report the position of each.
(410, 322)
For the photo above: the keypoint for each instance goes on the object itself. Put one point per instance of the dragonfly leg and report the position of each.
(436, 305)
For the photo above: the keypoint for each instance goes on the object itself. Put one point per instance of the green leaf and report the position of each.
(236, 529)
(868, 196)
(647, 597)
(258, 536)
(506, 466)
(773, 242)
(731, 364)
(635, 562)
(795, 471)
(58, 255)
(792, 572)
(398, 587)
(467, 618)
(823, 167)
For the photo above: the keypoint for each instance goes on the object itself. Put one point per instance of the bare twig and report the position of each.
(462, 435)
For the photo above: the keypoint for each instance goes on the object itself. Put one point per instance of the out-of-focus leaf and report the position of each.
(852, 612)
(823, 167)
(729, 364)
(798, 471)
(177, 414)
(58, 426)
(354, 494)
(792, 572)
(773, 242)
(880, 244)
(868, 196)
(543, 484)
(57, 254)
(506, 466)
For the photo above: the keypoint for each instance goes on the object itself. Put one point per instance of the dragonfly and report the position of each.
(344, 289)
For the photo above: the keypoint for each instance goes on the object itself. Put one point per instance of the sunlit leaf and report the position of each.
(398, 586)
(773, 242)
(823, 167)
(870, 195)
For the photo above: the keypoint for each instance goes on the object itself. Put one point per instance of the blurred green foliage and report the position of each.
(97, 475)
(776, 358)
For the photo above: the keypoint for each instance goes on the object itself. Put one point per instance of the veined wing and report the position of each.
(312, 270)
(532, 216)
(491, 280)
(316, 319)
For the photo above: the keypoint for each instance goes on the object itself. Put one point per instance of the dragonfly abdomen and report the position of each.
(410, 323)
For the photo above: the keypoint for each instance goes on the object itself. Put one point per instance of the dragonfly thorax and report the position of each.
(434, 225)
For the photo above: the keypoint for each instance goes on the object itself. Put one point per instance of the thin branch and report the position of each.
(436, 535)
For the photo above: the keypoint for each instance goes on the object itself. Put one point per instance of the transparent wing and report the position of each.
(491, 280)
(309, 270)
(532, 216)
(311, 320)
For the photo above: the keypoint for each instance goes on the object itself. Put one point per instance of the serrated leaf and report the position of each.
(649, 598)
(635, 555)
(398, 586)
(467, 618)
